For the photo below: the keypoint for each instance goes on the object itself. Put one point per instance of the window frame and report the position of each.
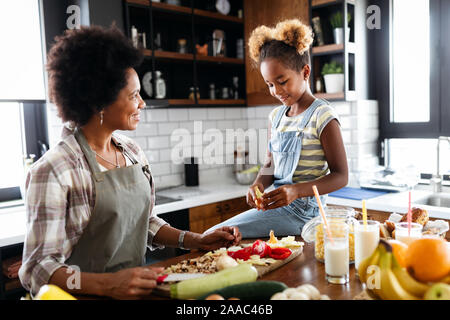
(34, 121)
(433, 128)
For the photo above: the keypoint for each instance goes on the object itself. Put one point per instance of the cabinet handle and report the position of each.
(218, 209)
(227, 207)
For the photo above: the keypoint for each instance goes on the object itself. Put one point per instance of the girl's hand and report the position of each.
(251, 195)
(279, 197)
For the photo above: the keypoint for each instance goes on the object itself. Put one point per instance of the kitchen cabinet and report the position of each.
(351, 53)
(10, 288)
(267, 12)
(171, 34)
(203, 217)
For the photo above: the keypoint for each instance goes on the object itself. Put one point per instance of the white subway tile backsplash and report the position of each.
(178, 114)
(198, 114)
(167, 136)
(159, 142)
(216, 113)
(167, 128)
(156, 115)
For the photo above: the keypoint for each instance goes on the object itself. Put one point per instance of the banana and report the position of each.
(391, 288)
(364, 264)
(410, 284)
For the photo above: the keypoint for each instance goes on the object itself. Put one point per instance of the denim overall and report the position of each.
(290, 219)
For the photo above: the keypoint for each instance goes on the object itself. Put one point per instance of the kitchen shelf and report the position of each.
(189, 57)
(161, 6)
(193, 22)
(315, 4)
(169, 55)
(333, 49)
(330, 96)
(219, 16)
(221, 101)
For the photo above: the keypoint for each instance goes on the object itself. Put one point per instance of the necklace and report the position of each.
(114, 164)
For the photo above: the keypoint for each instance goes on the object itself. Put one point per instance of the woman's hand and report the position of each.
(279, 197)
(251, 195)
(219, 238)
(133, 283)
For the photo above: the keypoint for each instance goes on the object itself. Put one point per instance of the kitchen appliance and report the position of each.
(191, 171)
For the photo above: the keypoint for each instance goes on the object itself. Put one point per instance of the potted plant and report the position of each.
(337, 23)
(333, 74)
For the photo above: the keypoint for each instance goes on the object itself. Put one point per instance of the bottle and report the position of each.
(192, 92)
(235, 88)
(240, 48)
(182, 45)
(225, 93)
(212, 91)
(160, 86)
(134, 36)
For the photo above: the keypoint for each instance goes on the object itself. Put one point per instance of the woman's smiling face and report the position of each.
(124, 113)
(285, 84)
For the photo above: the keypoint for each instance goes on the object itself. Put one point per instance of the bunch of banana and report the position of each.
(384, 276)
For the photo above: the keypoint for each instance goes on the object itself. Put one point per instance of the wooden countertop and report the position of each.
(302, 270)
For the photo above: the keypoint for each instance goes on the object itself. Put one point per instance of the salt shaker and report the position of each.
(212, 91)
(160, 86)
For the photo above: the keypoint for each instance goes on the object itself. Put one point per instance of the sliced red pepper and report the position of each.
(261, 248)
(243, 254)
(280, 253)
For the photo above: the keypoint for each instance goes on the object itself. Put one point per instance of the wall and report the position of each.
(359, 122)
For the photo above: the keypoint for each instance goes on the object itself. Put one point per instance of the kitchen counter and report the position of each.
(301, 270)
(13, 220)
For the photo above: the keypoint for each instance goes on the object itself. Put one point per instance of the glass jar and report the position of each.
(313, 231)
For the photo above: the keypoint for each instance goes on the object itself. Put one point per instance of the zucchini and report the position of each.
(258, 290)
(193, 288)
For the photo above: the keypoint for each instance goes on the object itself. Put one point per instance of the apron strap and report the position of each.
(89, 154)
(278, 116)
(309, 112)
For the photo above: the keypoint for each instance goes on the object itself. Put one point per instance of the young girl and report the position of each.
(305, 147)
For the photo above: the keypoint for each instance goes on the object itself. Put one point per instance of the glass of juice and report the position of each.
(401, 232)
(367, 237)
(337, 259)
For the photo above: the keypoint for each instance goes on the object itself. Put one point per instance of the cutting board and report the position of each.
(164, 289)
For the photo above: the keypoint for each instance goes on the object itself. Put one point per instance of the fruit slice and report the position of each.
(52, 292)
(272, 239)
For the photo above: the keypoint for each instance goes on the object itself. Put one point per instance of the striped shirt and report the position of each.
(312, 163)
(60, 197)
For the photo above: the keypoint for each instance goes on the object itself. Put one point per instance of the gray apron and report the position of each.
(116, 235)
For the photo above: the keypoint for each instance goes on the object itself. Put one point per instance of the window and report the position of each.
(21, 58)
(23, 129)
(412, 75)
(410, 68)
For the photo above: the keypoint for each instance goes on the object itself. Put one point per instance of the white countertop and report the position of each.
(13, 220)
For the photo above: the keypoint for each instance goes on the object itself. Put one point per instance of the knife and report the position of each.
(178, 277)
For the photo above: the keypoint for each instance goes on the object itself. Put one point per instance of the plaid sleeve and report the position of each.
(45, 203)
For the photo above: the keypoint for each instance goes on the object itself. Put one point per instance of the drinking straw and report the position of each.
(364, 211)
(322, 213)
(409, 218)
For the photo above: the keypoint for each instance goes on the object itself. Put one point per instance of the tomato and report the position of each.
(280, 253)
(261, 248)
(243, 254)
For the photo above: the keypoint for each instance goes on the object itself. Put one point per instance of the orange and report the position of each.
(399, 250)
(428, 259)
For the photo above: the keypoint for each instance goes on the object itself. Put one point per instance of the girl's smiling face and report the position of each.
(285, 84)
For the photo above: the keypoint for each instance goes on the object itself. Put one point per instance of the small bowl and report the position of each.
(246, 178)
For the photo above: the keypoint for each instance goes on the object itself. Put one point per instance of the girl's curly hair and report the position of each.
(288, 41)
(87, 69)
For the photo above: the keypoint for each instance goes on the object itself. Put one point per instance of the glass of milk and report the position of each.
(401, 232)
(367, 238)
(337, 257)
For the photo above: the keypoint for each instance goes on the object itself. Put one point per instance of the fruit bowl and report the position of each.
(246, 178)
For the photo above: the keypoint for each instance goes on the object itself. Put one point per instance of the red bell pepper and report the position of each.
(280, 253)
(261, 248)
(243, 254)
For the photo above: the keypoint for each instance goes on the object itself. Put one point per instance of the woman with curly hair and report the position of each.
(90, 199)
(305, 147)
